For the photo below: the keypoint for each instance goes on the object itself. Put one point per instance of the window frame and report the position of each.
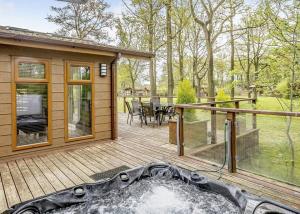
(17, 80)
(68, 82)
(31, 60)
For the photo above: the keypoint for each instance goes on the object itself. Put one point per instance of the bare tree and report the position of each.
(129, 36)
(284, 26)
(198, 53)
(234, 6)
(87, 20)
(181, 20)
(245, 60)
(213, 17)
(169, 50)
(147, 13)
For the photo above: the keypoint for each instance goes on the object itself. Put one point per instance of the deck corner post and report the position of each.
(213, 125)
(254, 126)
(180, 134)
(237, 104)
(114, 99)
(231, 116)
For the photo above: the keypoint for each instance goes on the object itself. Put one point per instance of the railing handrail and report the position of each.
(223, 102)
(162, 96)
(144, 96)
(235, 110)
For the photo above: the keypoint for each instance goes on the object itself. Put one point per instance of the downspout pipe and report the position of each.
(114, 111)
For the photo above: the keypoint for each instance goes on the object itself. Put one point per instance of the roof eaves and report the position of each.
(66, 41)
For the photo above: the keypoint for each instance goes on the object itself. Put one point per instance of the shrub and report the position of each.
(186, 95)
(222, 96)
(283, 89)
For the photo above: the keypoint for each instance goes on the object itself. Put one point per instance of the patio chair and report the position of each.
(155, 102)
(132, 113)
(136, 106)
(166, 111)
(150, 111)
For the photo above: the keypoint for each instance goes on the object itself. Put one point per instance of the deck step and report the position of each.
(109, 173)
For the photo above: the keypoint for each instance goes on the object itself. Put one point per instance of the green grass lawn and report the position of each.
(274, 156)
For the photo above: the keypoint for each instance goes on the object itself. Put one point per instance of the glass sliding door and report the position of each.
(79, 110)
(79, 105)
(31, 113)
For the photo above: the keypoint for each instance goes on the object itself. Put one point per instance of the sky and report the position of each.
(31, 14)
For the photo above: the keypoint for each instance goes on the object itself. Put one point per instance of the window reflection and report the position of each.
(79, 110)
(79, 73)
(32, 113)
(32, 70)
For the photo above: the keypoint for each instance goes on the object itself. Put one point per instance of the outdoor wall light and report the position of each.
(103, 70)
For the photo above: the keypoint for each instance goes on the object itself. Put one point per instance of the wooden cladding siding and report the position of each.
(102, 99)
(5, 102)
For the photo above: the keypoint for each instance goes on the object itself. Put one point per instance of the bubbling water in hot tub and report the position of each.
(152, 189)
(156, 195)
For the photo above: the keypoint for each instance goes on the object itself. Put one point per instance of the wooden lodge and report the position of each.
(59, 123)
(55, 91)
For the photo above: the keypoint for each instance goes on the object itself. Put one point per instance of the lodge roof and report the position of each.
(21, 36)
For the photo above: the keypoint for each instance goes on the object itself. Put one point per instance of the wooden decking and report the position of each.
(34, 176)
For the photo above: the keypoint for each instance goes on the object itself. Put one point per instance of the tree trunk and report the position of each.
(232, 55)
(211, 85)
(248, 64)
(169, 52)
(199, 89)
(195, 68)
(256, 68)
(289, 122)
(210, 72)
(152, 78)
(152, 71)
(180, 55)
(131, 68)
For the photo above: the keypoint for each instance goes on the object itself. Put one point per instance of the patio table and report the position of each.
(165, 110)
(160, 110)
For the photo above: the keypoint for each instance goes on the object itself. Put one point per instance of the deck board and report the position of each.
(84, 162)
(59, 174)
(51, 177)
(74, 168)
(37, 175)
(19, 181)
(100, 161)
(91, 161)
(11, 193)
(32, 183)
(69, 174)
(3, 203)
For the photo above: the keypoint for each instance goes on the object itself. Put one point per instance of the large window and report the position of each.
(79, 101)
(31, 109)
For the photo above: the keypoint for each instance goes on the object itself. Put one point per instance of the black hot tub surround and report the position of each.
(160, 180)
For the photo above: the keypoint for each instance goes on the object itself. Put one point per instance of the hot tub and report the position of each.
(156, 188)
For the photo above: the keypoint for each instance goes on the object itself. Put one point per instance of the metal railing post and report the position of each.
(179, 132)
(231, 116)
